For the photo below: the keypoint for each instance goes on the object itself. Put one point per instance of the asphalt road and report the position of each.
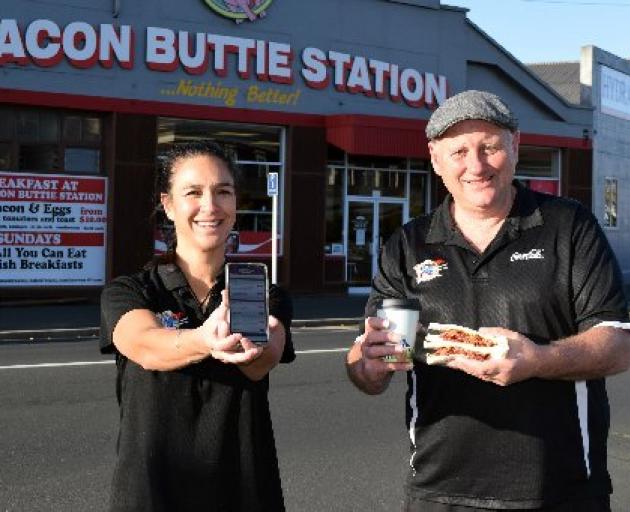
(339, 450)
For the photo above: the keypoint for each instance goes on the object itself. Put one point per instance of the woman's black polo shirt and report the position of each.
(548, 274)
(198, 438)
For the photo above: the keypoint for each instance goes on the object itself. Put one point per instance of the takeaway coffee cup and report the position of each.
(403, 316)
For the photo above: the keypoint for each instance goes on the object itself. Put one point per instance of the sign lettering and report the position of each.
(44, 43)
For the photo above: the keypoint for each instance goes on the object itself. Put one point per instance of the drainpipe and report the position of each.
(116, 9)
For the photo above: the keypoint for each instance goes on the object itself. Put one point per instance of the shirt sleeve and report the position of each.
(281, 306)
(119, 297)
(596, 278)
(389, 281)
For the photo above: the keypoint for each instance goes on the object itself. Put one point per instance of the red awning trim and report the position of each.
(357, 134)
(158, 108)
(384, 136)
(554, 141)
(377, 136)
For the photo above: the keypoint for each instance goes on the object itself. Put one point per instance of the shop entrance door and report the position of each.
(369, 223)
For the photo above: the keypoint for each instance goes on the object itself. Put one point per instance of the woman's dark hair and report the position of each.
(163, 180)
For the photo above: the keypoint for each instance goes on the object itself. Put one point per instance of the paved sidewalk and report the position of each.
(81, 319)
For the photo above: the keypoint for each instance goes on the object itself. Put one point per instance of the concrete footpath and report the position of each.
(81, 319)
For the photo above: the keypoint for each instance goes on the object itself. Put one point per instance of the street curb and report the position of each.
(93, 332)
(48, 334)
(327, 322)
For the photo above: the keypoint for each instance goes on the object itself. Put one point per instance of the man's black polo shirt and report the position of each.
(198, 438)
(548, 274)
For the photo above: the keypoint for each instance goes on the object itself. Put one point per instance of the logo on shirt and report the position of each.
(172, 320)
(429, 269)
(534, 254)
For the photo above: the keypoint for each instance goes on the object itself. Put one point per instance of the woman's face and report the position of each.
(201, 203)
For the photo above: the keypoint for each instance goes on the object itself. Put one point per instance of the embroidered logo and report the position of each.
(429, 269)
(534, 254)
(172, 320)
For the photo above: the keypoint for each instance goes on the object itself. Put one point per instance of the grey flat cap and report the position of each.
(467, 105)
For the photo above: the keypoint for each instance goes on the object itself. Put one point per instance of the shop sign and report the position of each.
(44, 43)
(52, 230)
(240, 10)
(272, 184)
(615, 93)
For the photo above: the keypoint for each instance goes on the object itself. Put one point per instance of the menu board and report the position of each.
(52, 230)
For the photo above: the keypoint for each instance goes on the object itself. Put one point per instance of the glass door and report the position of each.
(390, 217)
(365, 237)
(360, 243)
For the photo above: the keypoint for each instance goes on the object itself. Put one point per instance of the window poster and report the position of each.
(52, 230)
(610, 202)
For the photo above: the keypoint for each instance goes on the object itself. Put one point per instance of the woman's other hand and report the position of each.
(221, 344)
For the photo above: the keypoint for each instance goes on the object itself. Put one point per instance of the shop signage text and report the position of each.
(52, 230)
(615, 93)
(45, 44)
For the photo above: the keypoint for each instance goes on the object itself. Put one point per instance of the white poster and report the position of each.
(52, 230)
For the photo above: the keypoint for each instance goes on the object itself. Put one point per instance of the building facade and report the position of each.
(601, 81)
(92, 94)
(605, 81)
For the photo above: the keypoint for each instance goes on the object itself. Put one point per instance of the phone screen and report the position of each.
(248, 291)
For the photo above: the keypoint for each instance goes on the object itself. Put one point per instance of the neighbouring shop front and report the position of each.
(92, 98)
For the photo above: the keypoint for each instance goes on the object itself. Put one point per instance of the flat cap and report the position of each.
(466, 105)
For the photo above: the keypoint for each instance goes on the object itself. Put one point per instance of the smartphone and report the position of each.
(248, 292)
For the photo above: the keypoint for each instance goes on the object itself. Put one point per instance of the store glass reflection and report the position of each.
(539, 169)
(257, 150)
(367, 199)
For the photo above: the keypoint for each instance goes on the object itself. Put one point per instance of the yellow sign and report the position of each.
(229, 95)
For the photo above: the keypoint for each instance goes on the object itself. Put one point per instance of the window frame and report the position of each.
(61, 144)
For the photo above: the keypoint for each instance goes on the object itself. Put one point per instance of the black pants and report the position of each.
(600, 504)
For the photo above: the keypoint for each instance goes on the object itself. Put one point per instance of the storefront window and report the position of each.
(367, 199)
(336, 156)
(539, 169)
(418, 188)
(7, 126)
(38, 153)
(246, 143)
(377, 162)
(361, 182)
(38, 126)
(257, 150)
(39, 157)
(5, 156)
(50, 141)
(334, 211)
(610, 202)
(82, 160)
(82, 130)
(254, 212)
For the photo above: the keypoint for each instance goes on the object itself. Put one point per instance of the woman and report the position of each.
(195, 429)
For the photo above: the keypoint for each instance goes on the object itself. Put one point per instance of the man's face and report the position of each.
(476, 161)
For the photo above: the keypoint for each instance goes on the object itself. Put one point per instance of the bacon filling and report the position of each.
(453, 351)
(465, 337)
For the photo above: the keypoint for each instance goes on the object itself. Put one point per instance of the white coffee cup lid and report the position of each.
(401, 304)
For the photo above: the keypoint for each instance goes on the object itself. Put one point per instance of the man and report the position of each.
(529, 431)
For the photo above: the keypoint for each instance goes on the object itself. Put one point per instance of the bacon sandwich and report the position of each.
(444, 342)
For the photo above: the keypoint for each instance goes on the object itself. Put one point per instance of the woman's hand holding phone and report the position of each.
(223, 346)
